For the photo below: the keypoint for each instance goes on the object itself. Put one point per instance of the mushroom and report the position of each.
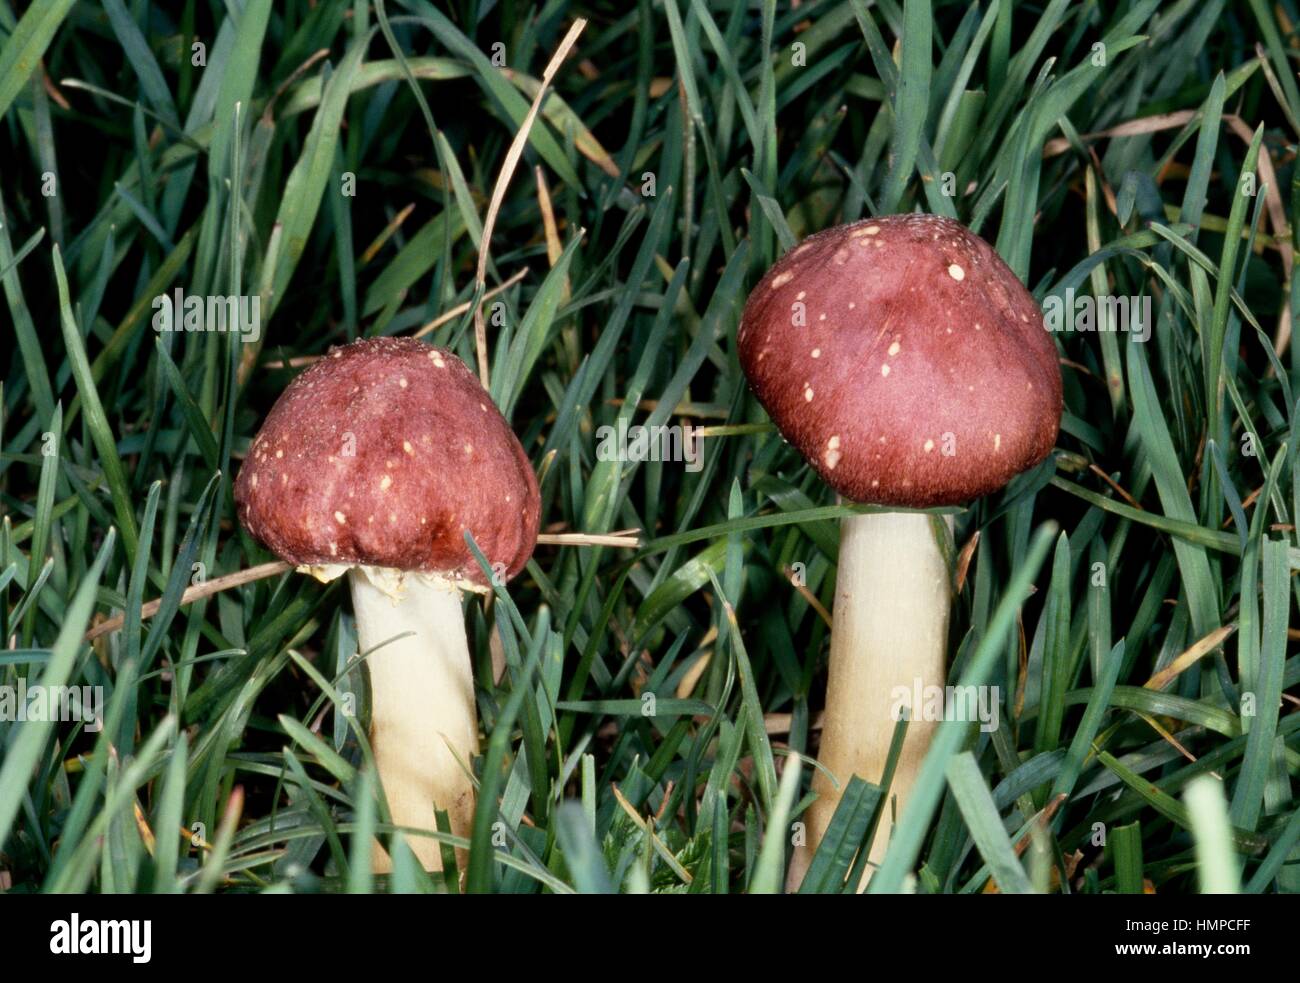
(375, 462)
(909, 365)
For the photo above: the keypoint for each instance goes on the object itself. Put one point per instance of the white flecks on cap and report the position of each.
(816, 353)
(956, 272)
(402, 382)
(807, 392)
(997, 441)
(253, 481)
(801, 295)
(781, 279)
(385, 481)
(406, 446)
(894, 348)
(884, 369)
(340, 518)
(279, 453)
(832, 455)
(436, 356)
(929, 446)
(841, 256)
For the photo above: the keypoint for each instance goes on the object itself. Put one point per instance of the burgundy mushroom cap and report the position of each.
(905, 360)
(383, 454)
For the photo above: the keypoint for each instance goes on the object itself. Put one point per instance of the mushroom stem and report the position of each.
(889, 637)
(424, 729)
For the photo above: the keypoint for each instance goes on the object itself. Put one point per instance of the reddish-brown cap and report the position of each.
(382, 454)
(905, 360)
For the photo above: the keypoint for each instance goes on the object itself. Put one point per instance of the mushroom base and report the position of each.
(424, 726)
(889, 638)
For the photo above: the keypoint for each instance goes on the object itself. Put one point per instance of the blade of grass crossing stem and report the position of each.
(843, 838)
(360, 880)
(25, 749)
(975, 801)
(905, 845)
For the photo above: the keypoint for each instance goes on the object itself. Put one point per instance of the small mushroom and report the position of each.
(374, 462)
(917, 374)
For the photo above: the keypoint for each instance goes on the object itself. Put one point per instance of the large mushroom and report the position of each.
(906, 361)
(375, 462)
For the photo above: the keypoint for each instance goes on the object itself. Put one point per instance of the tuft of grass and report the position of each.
(650, 715)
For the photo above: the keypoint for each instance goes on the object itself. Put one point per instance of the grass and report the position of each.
(339, 161)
